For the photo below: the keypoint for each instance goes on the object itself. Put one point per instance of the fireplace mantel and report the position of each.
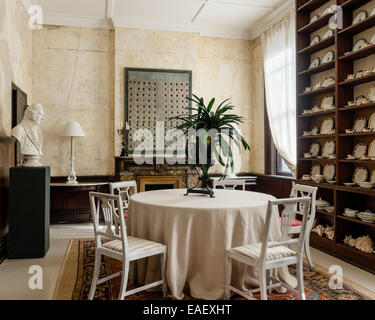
(127, 169)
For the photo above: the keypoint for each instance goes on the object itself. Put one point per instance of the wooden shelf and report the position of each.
(311, 5)
(358, 81)
(359, 27)
(368, 51)
(343, 91)
(318, 91)
(318, 136)
(358, 161)
(316, 114)
(311, 27)
(318, 240)
(362, 106)
(325, 213)
(321, 68)
(320, 160)
(355, 220)
(368, 192)
(319, 185)
(357, 134)
(325, 43)
(354, 4)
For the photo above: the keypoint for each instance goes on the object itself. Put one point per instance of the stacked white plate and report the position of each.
(366, 217)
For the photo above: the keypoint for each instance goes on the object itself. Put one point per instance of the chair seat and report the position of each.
(253, 251)
(136, 245)
(296, 223)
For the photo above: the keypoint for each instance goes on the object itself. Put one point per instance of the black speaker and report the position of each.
(29, 212)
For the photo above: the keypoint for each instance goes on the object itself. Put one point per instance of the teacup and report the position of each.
(307, 155)
(306, 177)
(349, 131)
(350, 157)
(351, 76)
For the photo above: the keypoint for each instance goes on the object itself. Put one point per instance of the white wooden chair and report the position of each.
(227, 184)
(121, 247)
(124, 189)
(305, 191)
(267, 256)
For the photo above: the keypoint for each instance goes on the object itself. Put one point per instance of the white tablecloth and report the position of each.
(197, 231)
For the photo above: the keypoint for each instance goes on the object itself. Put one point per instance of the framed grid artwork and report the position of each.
(153, 95)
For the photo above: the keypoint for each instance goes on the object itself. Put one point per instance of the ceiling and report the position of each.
(242, 19)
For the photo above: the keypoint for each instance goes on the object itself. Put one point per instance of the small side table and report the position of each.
(70, 202)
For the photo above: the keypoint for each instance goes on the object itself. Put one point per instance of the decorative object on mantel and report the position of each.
(124, 131)
(206, 119)
(30, 137)
(72, 129)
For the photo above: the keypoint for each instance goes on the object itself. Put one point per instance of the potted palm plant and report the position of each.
(205, 118)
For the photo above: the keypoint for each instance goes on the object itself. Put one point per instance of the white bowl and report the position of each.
(329, 209)
(366, 185)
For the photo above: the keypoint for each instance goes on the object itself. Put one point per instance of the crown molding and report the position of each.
(263, 24)
(171, 25)
(76, 21)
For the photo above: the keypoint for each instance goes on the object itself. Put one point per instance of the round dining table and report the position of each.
(197, 230)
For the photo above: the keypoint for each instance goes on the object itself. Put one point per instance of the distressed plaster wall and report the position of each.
(257, 108)
(15, 58)
(73, 80)
(221, 68)
(78, 74)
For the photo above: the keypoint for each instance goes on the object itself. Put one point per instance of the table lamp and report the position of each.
(72, 129)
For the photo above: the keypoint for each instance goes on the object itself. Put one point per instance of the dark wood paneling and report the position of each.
(71, 204)
(6, 161)
(279, 187)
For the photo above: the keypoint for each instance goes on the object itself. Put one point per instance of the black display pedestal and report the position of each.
(29, 210)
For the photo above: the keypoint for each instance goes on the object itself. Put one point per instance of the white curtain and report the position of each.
(280, 81)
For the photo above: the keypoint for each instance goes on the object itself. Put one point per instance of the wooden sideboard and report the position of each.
(70, 203)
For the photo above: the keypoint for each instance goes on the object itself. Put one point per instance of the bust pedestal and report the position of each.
(29, 212)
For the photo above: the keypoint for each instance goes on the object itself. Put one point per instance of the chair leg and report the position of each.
(263, 283)
(124, 280)
(307, 251)
(132, 267)
(163, 262)
(301, 285)
(270, 282)
(95, 276)
(228, 276)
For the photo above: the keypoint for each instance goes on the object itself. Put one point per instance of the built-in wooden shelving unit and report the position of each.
(345, 62)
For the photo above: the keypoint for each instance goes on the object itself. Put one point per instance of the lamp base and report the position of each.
(72, 179)
(71, 182)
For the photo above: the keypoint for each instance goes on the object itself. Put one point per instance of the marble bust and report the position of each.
(29, 135)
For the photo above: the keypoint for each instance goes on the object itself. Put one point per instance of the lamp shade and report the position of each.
(73, 129)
